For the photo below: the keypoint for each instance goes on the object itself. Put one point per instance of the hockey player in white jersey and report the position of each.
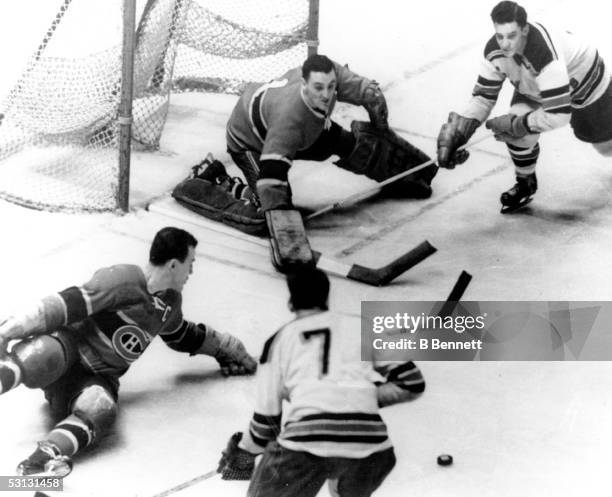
(558, 79)
(311, 376)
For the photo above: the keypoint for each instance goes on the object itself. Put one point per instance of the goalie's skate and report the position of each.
(45, 462)
(520, 194)
(213, 171)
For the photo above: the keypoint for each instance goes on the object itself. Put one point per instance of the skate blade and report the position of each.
(508, 209)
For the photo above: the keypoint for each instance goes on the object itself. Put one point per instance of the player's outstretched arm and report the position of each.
(404, 382)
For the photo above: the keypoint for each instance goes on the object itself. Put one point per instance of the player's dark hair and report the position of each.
(506, 11)
(308, 289)
(171, 243)
(316, 63)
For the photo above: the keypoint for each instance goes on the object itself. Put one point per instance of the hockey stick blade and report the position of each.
(456, 293)
(386, 274)
(377, 277)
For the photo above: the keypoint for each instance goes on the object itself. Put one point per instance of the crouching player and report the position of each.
(77, 343)
(331, 428)
(558, 79)
(289, 119)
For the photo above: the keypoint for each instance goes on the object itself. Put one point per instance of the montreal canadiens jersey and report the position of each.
(275, 121)
(115, 318)
(312, 382)
(556, 70)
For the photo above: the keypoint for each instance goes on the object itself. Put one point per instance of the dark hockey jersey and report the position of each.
(556, 70)
(115, 318)
(275, 120)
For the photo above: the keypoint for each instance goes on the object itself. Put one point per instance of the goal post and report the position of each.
(125, 108)
(65, 134)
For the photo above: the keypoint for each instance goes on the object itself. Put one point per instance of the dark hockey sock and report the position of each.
(524, 157)
(71, 435)
(10, 375)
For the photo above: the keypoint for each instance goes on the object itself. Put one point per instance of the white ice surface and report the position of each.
(514, 429)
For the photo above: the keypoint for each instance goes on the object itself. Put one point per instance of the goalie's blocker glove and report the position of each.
(454, 134)
(236, 463)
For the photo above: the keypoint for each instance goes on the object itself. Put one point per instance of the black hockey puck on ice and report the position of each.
(445, 460)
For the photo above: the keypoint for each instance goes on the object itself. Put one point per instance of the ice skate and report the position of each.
(520, 194)
(45, 461)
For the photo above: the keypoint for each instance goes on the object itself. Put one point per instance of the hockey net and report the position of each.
(58, 123)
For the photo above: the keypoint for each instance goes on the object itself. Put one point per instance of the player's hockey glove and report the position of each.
(508, 127)
(404, 382)
(454, 134)
(229, 352)
(236, 463)
(376, 105)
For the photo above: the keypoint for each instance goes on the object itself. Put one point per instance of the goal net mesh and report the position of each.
(58, 122)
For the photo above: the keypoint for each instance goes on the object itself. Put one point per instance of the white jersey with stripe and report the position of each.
(557, 71)
(311, 375)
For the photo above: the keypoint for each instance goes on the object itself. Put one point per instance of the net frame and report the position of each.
(99, 144)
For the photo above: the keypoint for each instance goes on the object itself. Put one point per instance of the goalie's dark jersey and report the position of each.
(114, 318)
(275, 120)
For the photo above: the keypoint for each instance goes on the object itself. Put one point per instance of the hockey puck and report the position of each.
(445, 460)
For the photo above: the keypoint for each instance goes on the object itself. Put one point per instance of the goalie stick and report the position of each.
(359, 196)
(371, 276)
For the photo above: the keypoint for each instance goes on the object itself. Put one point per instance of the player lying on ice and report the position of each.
(311, 375)
(77, 343)
(287, 119)
(558, 79)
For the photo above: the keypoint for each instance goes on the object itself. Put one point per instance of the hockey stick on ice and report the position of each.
(187, 484)
(371, 276)
(456, 293)
(357, 197)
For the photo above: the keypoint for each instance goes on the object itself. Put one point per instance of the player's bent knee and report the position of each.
(528, 141)
(96, 406)
(42, 360)
(604, 148)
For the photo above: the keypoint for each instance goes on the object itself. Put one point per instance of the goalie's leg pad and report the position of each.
(216, 203)
(382, 154)
(288, 240)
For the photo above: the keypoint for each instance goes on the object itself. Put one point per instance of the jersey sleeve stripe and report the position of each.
(489, 83)
(77, 307)
(188, 338)
(255, 111)
(590, 82)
